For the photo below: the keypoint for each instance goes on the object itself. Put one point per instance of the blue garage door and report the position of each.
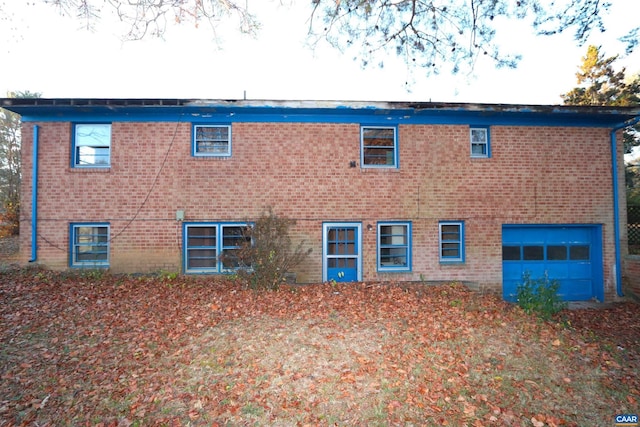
(571, 254)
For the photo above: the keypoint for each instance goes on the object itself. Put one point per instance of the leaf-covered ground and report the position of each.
(108, 350)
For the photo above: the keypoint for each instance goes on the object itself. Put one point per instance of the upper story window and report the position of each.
(212, 140)
(92, 145)
(379, 147)
(90, 245)
(451, 241)
(480, 146)
(394, 246)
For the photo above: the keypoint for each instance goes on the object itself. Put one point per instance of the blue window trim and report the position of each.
(407, 246)
(396, 150)
(460, 257)
(194, 126)
(219, 246)
(72, 245)
(488, 150)
(74, 152)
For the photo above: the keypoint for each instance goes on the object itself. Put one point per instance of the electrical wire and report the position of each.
(142, 205)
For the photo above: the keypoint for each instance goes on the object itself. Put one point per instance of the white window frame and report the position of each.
(104, 240)
(85, 141)
(474, 141)
(215, 153)
(396, 243)
(394, 158)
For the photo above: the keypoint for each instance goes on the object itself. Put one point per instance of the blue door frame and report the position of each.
(341, 251)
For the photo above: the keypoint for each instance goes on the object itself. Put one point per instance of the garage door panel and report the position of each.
(579, 290)
(570, 254)
(566, 235)
(559, 271)
(536, 270)
(580, 271)
(530, 235)
(513, 270)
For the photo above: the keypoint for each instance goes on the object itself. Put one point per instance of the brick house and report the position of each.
(379, 190)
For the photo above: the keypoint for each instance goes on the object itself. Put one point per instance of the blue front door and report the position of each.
(342, 252)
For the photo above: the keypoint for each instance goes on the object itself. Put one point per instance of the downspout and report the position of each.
(616, 199)
(34, 197)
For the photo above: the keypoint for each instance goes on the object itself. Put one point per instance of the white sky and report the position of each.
(44, 52)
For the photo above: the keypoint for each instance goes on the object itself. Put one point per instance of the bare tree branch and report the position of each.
(432, 34)
(150, 17)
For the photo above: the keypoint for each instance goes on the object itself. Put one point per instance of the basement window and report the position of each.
(394, 246)
(451, 241)
(213, 247)
(89, 245)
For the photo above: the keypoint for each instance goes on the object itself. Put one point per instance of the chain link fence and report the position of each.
(633, 229)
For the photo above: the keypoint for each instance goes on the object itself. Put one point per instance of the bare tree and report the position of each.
(9, 156)
(10, 166)
(150, 17)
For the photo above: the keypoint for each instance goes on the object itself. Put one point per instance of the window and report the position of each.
(511, 253)
(394, 246)
(89, 245)
(556, 253)
(213, 247)
(480, 142)
(379, 147)
(451, 241)
(92, 145)
(579, 253)
(553, 252)
(212, 140)
(233, 236)
(532, 253)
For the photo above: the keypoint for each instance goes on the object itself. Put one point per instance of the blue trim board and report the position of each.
(380, 113)
(323, 117)
(34, 196)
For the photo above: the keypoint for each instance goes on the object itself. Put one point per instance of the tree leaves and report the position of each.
(120, 350)
(450, 35)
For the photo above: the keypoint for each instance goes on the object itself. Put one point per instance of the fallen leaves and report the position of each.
(122, 350)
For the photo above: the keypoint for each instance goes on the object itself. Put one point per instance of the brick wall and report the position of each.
(536, 175)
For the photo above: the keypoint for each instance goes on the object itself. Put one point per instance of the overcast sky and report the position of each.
(47, 53)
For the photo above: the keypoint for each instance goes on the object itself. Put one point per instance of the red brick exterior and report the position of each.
(535, 175)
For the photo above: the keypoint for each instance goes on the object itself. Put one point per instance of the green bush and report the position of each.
(266, 254)
(539, 296)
